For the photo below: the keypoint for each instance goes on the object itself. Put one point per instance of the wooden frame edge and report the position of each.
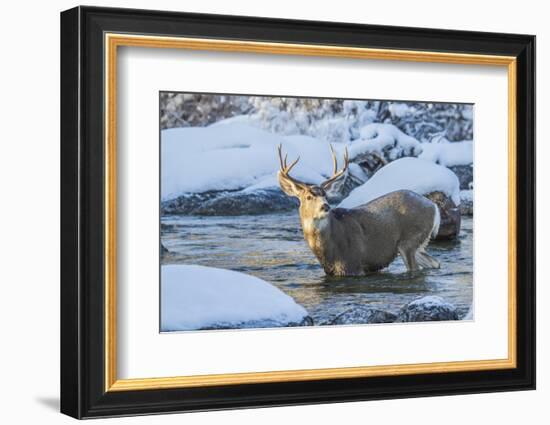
(114, 40)
(137, 384)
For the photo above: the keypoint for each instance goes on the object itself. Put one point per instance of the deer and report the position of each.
(366, 238)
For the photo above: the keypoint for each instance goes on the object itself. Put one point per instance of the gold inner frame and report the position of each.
(113, 41)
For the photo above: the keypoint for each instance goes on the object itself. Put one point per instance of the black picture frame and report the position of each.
(83, 392)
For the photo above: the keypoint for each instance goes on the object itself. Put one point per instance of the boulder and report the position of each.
(465, 174)
(363, 315)
(196, 297)
(258, 324)
(466, 202)
(242, 202)
(261, 201)
(467, 208)
(427, 309)
(449, 226)
(187, 203)
(306, 321)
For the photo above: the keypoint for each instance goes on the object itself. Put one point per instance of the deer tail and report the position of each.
(437, 221)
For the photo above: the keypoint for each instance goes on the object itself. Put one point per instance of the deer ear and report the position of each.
(334, 187)
(334, 184)
(290, 187)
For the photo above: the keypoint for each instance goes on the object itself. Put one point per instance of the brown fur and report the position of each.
(355, 241)
(352, 242)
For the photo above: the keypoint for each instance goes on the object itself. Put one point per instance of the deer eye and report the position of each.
(309, 197)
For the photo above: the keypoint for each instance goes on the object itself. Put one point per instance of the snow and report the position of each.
(430, 301)
(448, 153)
(382, 138)
(233, 155)
(197, 297)
(400, 110)
(467, 195)
(407, 173)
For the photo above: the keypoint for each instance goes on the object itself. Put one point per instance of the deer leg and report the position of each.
(426, 261)
(409, 259)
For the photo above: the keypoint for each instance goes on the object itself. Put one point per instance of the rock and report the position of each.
(187, 203)
(243, 203)
(465, 174)
(198, 297)
(466, 202)
(362, 315)
(467, 208)
(449, 226)
(427, 309)
(469, 314)
(239, 202)
(355, 177)
(307, 321)
(163, 250)
(259, 324)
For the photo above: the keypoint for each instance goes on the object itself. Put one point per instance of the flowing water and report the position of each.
(272, 248)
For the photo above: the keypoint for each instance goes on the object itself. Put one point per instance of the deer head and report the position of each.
(313, 198)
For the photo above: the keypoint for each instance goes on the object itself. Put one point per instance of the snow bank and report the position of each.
(198, 297)
(408, 173)
(234, 155)
(448, 153)
(381, 138)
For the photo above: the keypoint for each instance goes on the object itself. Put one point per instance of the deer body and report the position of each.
(351, 242)
(355, 241)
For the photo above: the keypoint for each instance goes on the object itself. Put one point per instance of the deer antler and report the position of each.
(335, 173)
(285, 169)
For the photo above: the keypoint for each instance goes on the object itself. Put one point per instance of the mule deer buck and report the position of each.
(355, 241)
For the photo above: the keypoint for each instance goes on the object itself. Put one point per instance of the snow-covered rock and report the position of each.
(448, 153)
(469, 314)
(230, 168)
(467, 202)
(234, 156)
(465, 174)
(425, 309)
(227, 203)
(363, 315)
(187, 203)
(414, 174)
(332, 120)
(399, 110)
(245, 202)
(386, 140)
(197, 297)
(458, 156)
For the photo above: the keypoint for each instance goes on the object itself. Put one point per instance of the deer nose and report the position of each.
(325, 207)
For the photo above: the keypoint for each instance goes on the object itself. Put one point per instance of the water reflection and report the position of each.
(272, 248)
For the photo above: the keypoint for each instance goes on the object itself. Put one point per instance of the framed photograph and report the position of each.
(261, 212)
